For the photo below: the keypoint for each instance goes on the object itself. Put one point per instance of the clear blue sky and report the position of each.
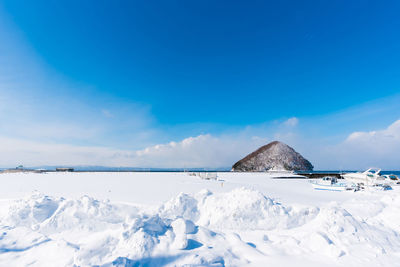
(198, 67)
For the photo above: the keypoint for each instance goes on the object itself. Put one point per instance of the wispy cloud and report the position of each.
(291, 122)
(30, 153)
(69, 120)
(107, 113)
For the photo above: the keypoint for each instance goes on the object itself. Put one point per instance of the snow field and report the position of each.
(235, 228)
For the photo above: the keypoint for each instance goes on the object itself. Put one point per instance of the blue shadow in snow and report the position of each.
(193, 244)
(251, 245)
(5, 250)
(144, 262)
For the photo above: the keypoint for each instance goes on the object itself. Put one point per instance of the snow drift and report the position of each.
(205, 229)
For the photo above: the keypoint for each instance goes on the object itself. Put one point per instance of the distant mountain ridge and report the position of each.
(99, 168)
(273, 156)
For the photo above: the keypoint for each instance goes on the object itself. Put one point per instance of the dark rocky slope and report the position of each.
(274, 156)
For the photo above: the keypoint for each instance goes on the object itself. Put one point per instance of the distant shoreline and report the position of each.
(311, 174)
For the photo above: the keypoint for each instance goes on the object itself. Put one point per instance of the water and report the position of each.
(133, 169)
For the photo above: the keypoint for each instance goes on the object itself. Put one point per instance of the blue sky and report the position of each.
(126, 76)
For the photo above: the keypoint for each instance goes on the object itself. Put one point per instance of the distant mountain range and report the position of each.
(121, 169)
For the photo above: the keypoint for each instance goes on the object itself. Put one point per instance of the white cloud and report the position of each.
(200, 151)
(291, 122)
(361, 150)
(386, 137)
(51, 143)
(29, 153)
(379, 144)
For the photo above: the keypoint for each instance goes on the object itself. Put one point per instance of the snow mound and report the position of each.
(203, 229)
(32, 210)
(52, 215)
(241, 208)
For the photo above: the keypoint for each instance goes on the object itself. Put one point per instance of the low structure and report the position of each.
(64, 169)
(205, 175)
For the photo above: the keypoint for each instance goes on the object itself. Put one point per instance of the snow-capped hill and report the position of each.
(274, 156)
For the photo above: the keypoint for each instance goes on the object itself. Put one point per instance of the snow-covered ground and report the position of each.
(173, 219)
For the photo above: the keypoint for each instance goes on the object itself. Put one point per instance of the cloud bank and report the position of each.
(371, 149)
(358, 150)
(29, 153)
(200, 151)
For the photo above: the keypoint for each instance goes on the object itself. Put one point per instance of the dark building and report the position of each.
(64, 169)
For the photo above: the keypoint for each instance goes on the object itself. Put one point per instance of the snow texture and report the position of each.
(235, 228)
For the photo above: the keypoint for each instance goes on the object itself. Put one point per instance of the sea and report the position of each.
(135, 169)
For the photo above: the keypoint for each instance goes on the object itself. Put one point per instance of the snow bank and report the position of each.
(203, 229)
(237, 210)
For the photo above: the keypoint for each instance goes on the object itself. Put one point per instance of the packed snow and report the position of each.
(174, 219)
